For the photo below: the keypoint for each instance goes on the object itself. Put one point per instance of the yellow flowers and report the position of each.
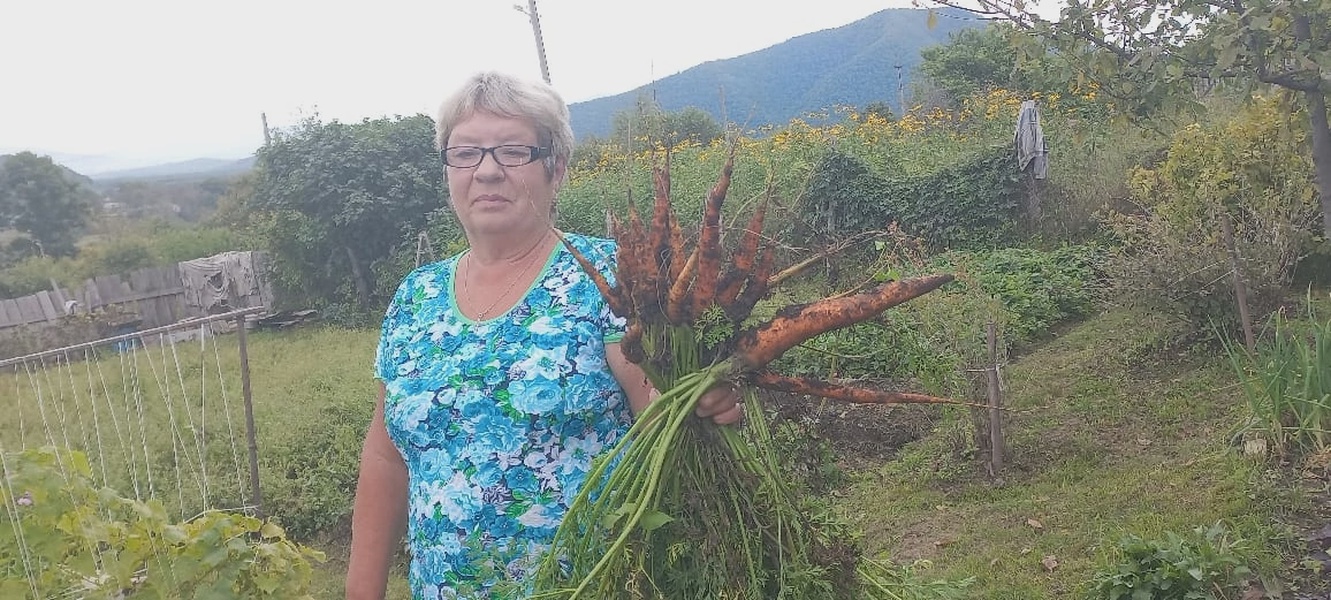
(990, 116)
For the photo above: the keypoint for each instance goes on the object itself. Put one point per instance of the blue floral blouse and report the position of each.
(499, 420)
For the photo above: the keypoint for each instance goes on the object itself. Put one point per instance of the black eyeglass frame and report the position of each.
(536, 153)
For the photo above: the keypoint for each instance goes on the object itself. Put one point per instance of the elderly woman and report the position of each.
(501, 374)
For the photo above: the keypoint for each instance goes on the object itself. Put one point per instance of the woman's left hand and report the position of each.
(722, 404)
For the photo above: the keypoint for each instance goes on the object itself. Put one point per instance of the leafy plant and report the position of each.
(1206, 565)
(911, 584)
(969, 202)
(1025, 290)
(1287, 383)
(308, 474)
(62, 537)
(1250, 172)
(1037, 288)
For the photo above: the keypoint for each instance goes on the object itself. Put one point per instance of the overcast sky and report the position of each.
(153, 81)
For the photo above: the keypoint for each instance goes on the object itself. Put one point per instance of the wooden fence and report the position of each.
(156, 295)
(143, 299)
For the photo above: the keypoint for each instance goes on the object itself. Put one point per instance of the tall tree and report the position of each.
(41, 200)
(337, 197)
(648, 124)
(1153, 54)
(980, 58)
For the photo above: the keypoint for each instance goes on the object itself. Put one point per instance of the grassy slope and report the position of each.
(1107, 437)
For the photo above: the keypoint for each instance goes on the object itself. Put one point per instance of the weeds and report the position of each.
(1287, 384)
(1207, 564)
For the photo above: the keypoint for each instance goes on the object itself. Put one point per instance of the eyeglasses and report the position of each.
(508, 155)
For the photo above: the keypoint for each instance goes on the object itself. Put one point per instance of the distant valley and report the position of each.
(189, 169)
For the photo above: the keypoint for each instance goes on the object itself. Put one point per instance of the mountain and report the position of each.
(867, 61)
(82, 163)
(189, 169)
(852, 65)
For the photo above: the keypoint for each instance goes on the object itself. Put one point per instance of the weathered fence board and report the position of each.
(31, 309)
(48, 306)
(143, 299)
(9, 313)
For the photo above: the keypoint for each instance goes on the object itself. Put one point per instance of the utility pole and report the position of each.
(901, 92)
(535, 18)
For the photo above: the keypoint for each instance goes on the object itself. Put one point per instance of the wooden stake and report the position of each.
(256, 494)
(1240, 288)
(995, 403)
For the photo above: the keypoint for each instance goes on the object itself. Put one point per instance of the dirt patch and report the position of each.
(859, 436)
(1309, 576)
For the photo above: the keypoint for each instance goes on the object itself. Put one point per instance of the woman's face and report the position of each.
(493, 199)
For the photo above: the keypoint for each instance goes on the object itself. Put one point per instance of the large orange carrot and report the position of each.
(678, 256)
(709, 241)
(631, 343)
(625, 260)
(837, 391)
(746, 254)
(678, 308)
(794, 324)
(660, 234)
(615, 296)
(639, 261)
(755, 289)
(659, 239)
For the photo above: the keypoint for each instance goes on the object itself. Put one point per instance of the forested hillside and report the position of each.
(851, 65)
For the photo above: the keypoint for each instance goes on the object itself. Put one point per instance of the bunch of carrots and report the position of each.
(682, 508)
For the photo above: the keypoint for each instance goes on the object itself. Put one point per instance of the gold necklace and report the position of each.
(528, 262)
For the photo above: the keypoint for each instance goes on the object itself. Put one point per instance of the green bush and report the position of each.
(179, 244)
(1253, 172)
(34, 274)
(971, 203)
(897, 347)
(117, 256)
(311, 471)
(139, 247)
(1024, 291)
(1208, 564)
(1038, 289)
(63, 537)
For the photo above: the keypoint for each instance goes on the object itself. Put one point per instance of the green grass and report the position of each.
(1109, 434)
(313, 395)
(1111, 431)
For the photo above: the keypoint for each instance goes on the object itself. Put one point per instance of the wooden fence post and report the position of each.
(995, 402)
(252, 441)
(1240, 288)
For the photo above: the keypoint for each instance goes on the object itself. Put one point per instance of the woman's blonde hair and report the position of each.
(510, 96)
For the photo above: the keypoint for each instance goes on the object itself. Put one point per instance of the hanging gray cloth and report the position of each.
(219, 283)
(1032, 152)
